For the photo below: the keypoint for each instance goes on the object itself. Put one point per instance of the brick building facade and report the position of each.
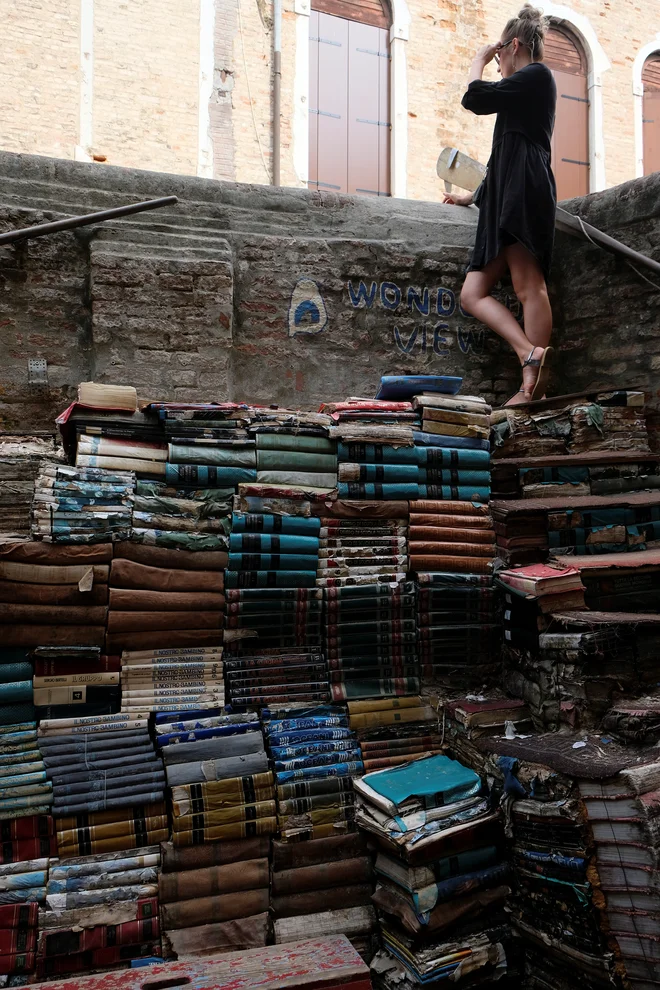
(186, 86)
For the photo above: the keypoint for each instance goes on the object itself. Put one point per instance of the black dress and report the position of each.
(518, 197)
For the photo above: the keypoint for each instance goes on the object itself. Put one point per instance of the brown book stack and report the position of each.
(214, 897)
(161, 597)
(323, 887)
(52, 594)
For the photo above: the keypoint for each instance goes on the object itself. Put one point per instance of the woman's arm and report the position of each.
(459, 199)
(480, 61)
(491, 97)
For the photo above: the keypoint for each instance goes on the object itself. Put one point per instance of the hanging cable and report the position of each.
(629, 263)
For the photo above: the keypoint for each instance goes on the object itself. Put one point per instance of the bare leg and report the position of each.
(477, 300)
(530, 288)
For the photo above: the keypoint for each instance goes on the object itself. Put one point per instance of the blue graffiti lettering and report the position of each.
(419, 300)
(408, 346)
(438, 340)
(446, 302)
(471, 340)
(363, 295)
(394, 290)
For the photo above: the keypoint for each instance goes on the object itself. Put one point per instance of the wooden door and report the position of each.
(651, 113)
(570, 142)
(349, 123)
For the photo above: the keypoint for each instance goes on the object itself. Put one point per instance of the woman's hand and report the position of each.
(458, 199)
(486, 54)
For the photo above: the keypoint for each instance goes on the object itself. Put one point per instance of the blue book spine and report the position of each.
(437, 440)
(287, 543)
(252, 522)
(207, 475)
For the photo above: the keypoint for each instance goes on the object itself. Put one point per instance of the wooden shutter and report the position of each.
(651, 113)
(349, 128)
(570, 142)
(374, 12)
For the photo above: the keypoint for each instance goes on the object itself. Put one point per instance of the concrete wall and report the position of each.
(187, 86)
(246, 292)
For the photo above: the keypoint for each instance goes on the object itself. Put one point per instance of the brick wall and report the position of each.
(39, 76)
(146, 82)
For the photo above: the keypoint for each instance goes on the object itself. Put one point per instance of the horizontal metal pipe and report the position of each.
(70, 223)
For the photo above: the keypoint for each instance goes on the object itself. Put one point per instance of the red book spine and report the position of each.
(19, 915)
(17, 962)
(17, 941)
(30, 827)
(49, 668)
(18, 850)
(62, 943)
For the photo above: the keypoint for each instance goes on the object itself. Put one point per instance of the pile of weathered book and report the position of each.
(442, 881)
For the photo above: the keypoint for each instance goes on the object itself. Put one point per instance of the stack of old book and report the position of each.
(450, 536)
(290, 615)
(165, 597)
(214, 898)
(323, 887)
(441, 879)
(218, 774)
(286, 611)
(103, 769)
(370, 628)
(371, 434)
(572, 424)
(132, 445)
(466, 719)
(179, 679)
(75, 681)
(394, 730)
(100, 912)
(458, 631)
(293, 449)
(554, 907)
(275, 676)
(531, 594)
(587, 663)
(454, 443)
(82, 505)
(53, 595)
(18, 924)
(574, 473)
(208, 446)
(178, 519)
(622, 812)
(452, 549)
(22, 458)
(615, 582)
(24, 787)
(16, 691)
(558, 908)
(315, 754)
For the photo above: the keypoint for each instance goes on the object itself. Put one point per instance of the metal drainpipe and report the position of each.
(277, 86)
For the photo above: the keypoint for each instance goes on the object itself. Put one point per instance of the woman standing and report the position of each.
(517, 197)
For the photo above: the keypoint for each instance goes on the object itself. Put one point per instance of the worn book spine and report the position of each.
(222, 907)
(216, 833)
(213, 880)
(314, 901)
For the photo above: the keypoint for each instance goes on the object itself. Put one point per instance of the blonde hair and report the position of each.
(529, 27)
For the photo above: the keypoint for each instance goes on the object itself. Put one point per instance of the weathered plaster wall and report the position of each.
(246, 292)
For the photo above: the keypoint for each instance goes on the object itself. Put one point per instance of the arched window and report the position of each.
(570, 144)
(651, 113)
(349, 97)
